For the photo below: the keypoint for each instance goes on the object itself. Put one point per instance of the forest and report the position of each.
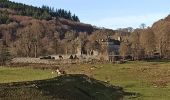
(44, 12)
(28, 31)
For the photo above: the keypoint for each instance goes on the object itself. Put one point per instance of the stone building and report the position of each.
(110, 49)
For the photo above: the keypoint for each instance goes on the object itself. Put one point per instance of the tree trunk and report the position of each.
(35, 51)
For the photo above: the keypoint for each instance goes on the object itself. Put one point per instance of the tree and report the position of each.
(161, 30)
(130, 29)
(83, 36)
(4, 17)
(44, 12)
(70, 35)
(135, 44)
(164, 44)
(4, 55)
(147, 40)
(124, 49)
(75, 18)
(37, 31)
(25, 40)
(142, 26)
(30, 38)
(45, 15)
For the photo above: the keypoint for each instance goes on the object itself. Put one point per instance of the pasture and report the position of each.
(150, 79)
(8, 75)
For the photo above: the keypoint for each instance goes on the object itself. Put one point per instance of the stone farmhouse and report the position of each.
(109, 51)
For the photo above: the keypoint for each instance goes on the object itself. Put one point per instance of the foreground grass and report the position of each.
(65, 87)
(23, 74)
(150, 79)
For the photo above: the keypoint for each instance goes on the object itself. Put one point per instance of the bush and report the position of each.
(47, 57)
(75, 57)
(71, 57)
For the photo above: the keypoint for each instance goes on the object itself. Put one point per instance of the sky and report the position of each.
(111, 14)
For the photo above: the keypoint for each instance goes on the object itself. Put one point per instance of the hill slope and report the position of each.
(44, 12)
(66, 87)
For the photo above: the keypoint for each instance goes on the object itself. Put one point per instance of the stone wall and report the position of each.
(50, 61)
(32, 60)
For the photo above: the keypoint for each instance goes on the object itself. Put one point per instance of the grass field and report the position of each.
(150, 79)
(23, 74)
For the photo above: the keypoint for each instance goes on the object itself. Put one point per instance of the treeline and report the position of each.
(148, 43)
(29, 37)
(44, 12)
(139, 44)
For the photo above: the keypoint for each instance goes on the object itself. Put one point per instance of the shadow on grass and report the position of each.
(158, 60)
(65, 87)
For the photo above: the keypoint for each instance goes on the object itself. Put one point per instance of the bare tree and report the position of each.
(130, 29)
(36, 30)
(5, 56)
(161, 30)
(143, 26)
(147, 40)
(29, 38)
(135, 44)
(124, 49)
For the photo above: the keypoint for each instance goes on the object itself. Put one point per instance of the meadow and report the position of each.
(150, 79)
(8, 74)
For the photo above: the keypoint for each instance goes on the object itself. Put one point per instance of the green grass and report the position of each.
(65, 87)
(150, 79)
(23, 74)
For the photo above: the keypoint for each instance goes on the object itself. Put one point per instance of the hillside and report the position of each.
(27, 35)
(56, 32)
(66, 87)
(162, 25)
(19, 26)
(44, 12)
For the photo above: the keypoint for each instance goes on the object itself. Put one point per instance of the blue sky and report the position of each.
(111, 13)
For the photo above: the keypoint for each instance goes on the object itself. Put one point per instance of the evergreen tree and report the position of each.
(45, 12)
(75, 18)
(46, 15)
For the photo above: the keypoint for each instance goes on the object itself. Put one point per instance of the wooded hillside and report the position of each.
(29, 31)
(44, 12)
